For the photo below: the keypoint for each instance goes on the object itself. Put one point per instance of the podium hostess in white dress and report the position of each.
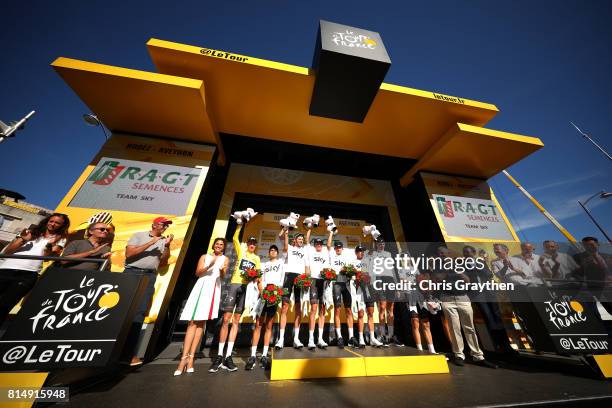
(203, 302)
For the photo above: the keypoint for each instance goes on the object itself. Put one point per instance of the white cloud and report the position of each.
(560, 208)
(566, 182)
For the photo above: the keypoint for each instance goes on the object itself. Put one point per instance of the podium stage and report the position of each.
(292, 364)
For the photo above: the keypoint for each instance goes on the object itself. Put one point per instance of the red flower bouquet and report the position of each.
(303, 281)
(329, 274)
(362, 279)
(349, 271)
(250, 275)
(272, 294)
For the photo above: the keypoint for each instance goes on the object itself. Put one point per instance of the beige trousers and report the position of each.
(458, 311)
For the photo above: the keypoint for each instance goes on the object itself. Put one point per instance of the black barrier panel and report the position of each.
(350, 65)
(561, 324)
(72, 318)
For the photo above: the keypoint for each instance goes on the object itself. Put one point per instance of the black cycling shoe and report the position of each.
(217, 363)
(396, 342)
(353, 342)
(250, 363)
(385, 341)
(340, 342)
(264, 362)
(229, 365)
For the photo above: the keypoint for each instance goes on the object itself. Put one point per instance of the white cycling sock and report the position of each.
(253, 351)
(296, 335)
(265, 351)
(230, 347)
(221, 346)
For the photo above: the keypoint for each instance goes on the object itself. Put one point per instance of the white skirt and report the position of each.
(204, 299)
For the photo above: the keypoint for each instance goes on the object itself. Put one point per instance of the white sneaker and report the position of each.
(311, 345)
(322, 344)
(297, 344)
(375, 342)
(279, 344)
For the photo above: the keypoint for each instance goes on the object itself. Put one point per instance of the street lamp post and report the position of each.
(92, 120)
(601, 194)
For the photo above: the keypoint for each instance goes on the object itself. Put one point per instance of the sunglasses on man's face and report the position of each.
(102, 229)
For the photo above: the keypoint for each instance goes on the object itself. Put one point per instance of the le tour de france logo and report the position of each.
(349, 38)
(564, 312)
(90, 302)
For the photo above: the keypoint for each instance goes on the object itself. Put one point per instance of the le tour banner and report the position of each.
(152, 188)
(466, 209)
(137, 179)
(72, 318)
(558, 321)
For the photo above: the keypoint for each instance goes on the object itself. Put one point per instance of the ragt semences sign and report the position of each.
(127, 185)
(471, 217)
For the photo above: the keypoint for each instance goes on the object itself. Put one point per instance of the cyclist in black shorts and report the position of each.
(272, 273)
(318, 259)
(233, 301)
(342, 294)
(295, 264)
(360, 263)
(386, 304)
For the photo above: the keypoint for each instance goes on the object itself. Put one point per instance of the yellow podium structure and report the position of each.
(291, 364)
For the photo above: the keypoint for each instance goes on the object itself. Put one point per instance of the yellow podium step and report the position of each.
(291, 364)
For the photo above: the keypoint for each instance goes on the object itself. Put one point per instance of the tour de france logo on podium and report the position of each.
(571, 326)
(72, 318)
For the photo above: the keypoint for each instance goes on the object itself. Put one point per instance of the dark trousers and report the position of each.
(131, 342)
(14, 284)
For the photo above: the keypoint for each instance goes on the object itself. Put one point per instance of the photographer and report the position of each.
(18, 276)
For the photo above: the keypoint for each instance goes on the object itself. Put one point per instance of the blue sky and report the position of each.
(542, 63)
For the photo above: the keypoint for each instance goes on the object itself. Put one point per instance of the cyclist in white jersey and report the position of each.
(386, 304)
(342, 294)
(318, 259)
(295, 264)
(361, 263)
(272, 273)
